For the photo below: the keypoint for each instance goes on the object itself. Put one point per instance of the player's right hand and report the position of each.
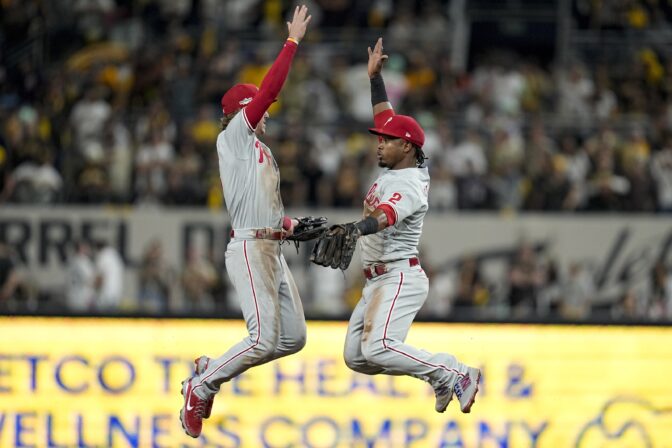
(297, 27)
(376, 58)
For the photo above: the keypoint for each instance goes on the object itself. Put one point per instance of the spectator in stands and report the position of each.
(80, 291)
(661, 294)
(627, 308)
(155, 280)
(347, 188)
(87, 119)
(577, 292)
(151, 165)
(468, 156)
(526, 278)
(472, 290)
(606, 189)
(198, 279)
(37, 182)
(551, 190)
(473, 192)
(661, 171)
(443, 194)
(575, 90)
(109, 278)
(10, 278)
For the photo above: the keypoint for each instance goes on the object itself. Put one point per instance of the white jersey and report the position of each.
(250, 177)
(405, 192)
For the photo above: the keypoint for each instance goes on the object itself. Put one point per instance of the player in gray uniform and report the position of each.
(268, 295)
(396, 285)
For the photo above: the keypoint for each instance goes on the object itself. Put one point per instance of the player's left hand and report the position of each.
(306, 228)
(376, 58)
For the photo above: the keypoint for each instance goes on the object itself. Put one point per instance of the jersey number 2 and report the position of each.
(396, 197)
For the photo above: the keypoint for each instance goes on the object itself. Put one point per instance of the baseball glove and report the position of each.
(335, 248)
(308, 228)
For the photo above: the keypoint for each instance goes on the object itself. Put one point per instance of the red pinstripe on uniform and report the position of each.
(247, 122)
(256, 307)
(389, 315)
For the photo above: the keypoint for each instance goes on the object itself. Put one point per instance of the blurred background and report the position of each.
(549, 136)
(548, 241)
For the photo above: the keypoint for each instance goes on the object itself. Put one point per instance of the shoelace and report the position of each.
(200, 408)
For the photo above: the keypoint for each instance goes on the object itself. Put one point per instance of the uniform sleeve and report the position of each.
(238, 137)
(400, 200)
(271, 85)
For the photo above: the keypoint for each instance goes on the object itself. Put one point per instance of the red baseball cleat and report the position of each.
(200, 366)
(191, 414)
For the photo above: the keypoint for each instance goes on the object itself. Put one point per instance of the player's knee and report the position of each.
(264, 349)
(374, 352)
(297, 343)
(356, 363)
(359, 364)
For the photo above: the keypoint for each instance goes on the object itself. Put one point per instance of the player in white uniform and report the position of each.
(396, 285)
(268, 295)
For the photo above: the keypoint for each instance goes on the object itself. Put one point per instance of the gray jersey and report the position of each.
(250, 177)
(405, 192)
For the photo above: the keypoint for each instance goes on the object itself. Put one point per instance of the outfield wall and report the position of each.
(619, 250)
(106, 382)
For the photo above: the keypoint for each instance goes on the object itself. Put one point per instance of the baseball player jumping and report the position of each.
(396, 285)
(250, 179)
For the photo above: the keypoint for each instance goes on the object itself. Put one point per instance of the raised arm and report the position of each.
(277, 74)
(382, 109)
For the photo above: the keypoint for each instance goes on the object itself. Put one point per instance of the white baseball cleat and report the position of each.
(466, 388)
(443, 396)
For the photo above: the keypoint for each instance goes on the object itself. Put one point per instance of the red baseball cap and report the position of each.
(238, 97)
(404, 127)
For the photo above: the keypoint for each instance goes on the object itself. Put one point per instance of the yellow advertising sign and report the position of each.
(116, 383)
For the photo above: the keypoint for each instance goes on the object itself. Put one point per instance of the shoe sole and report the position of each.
(186, 431)
(467, 408)
(208, 409)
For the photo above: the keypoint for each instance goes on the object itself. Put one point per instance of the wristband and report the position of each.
(378, 93)
(291, 39)
(367, 226)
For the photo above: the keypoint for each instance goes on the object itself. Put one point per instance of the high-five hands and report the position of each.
(297, 27)
(376, 58)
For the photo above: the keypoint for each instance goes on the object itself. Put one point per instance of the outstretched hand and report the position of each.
(297, 27)
(376, 58)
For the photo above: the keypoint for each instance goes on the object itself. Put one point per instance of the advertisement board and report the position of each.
(105, 382)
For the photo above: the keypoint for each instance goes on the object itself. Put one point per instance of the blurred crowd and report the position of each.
(126, 110)
(535, 285)
(527, 284)
(117, 102)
